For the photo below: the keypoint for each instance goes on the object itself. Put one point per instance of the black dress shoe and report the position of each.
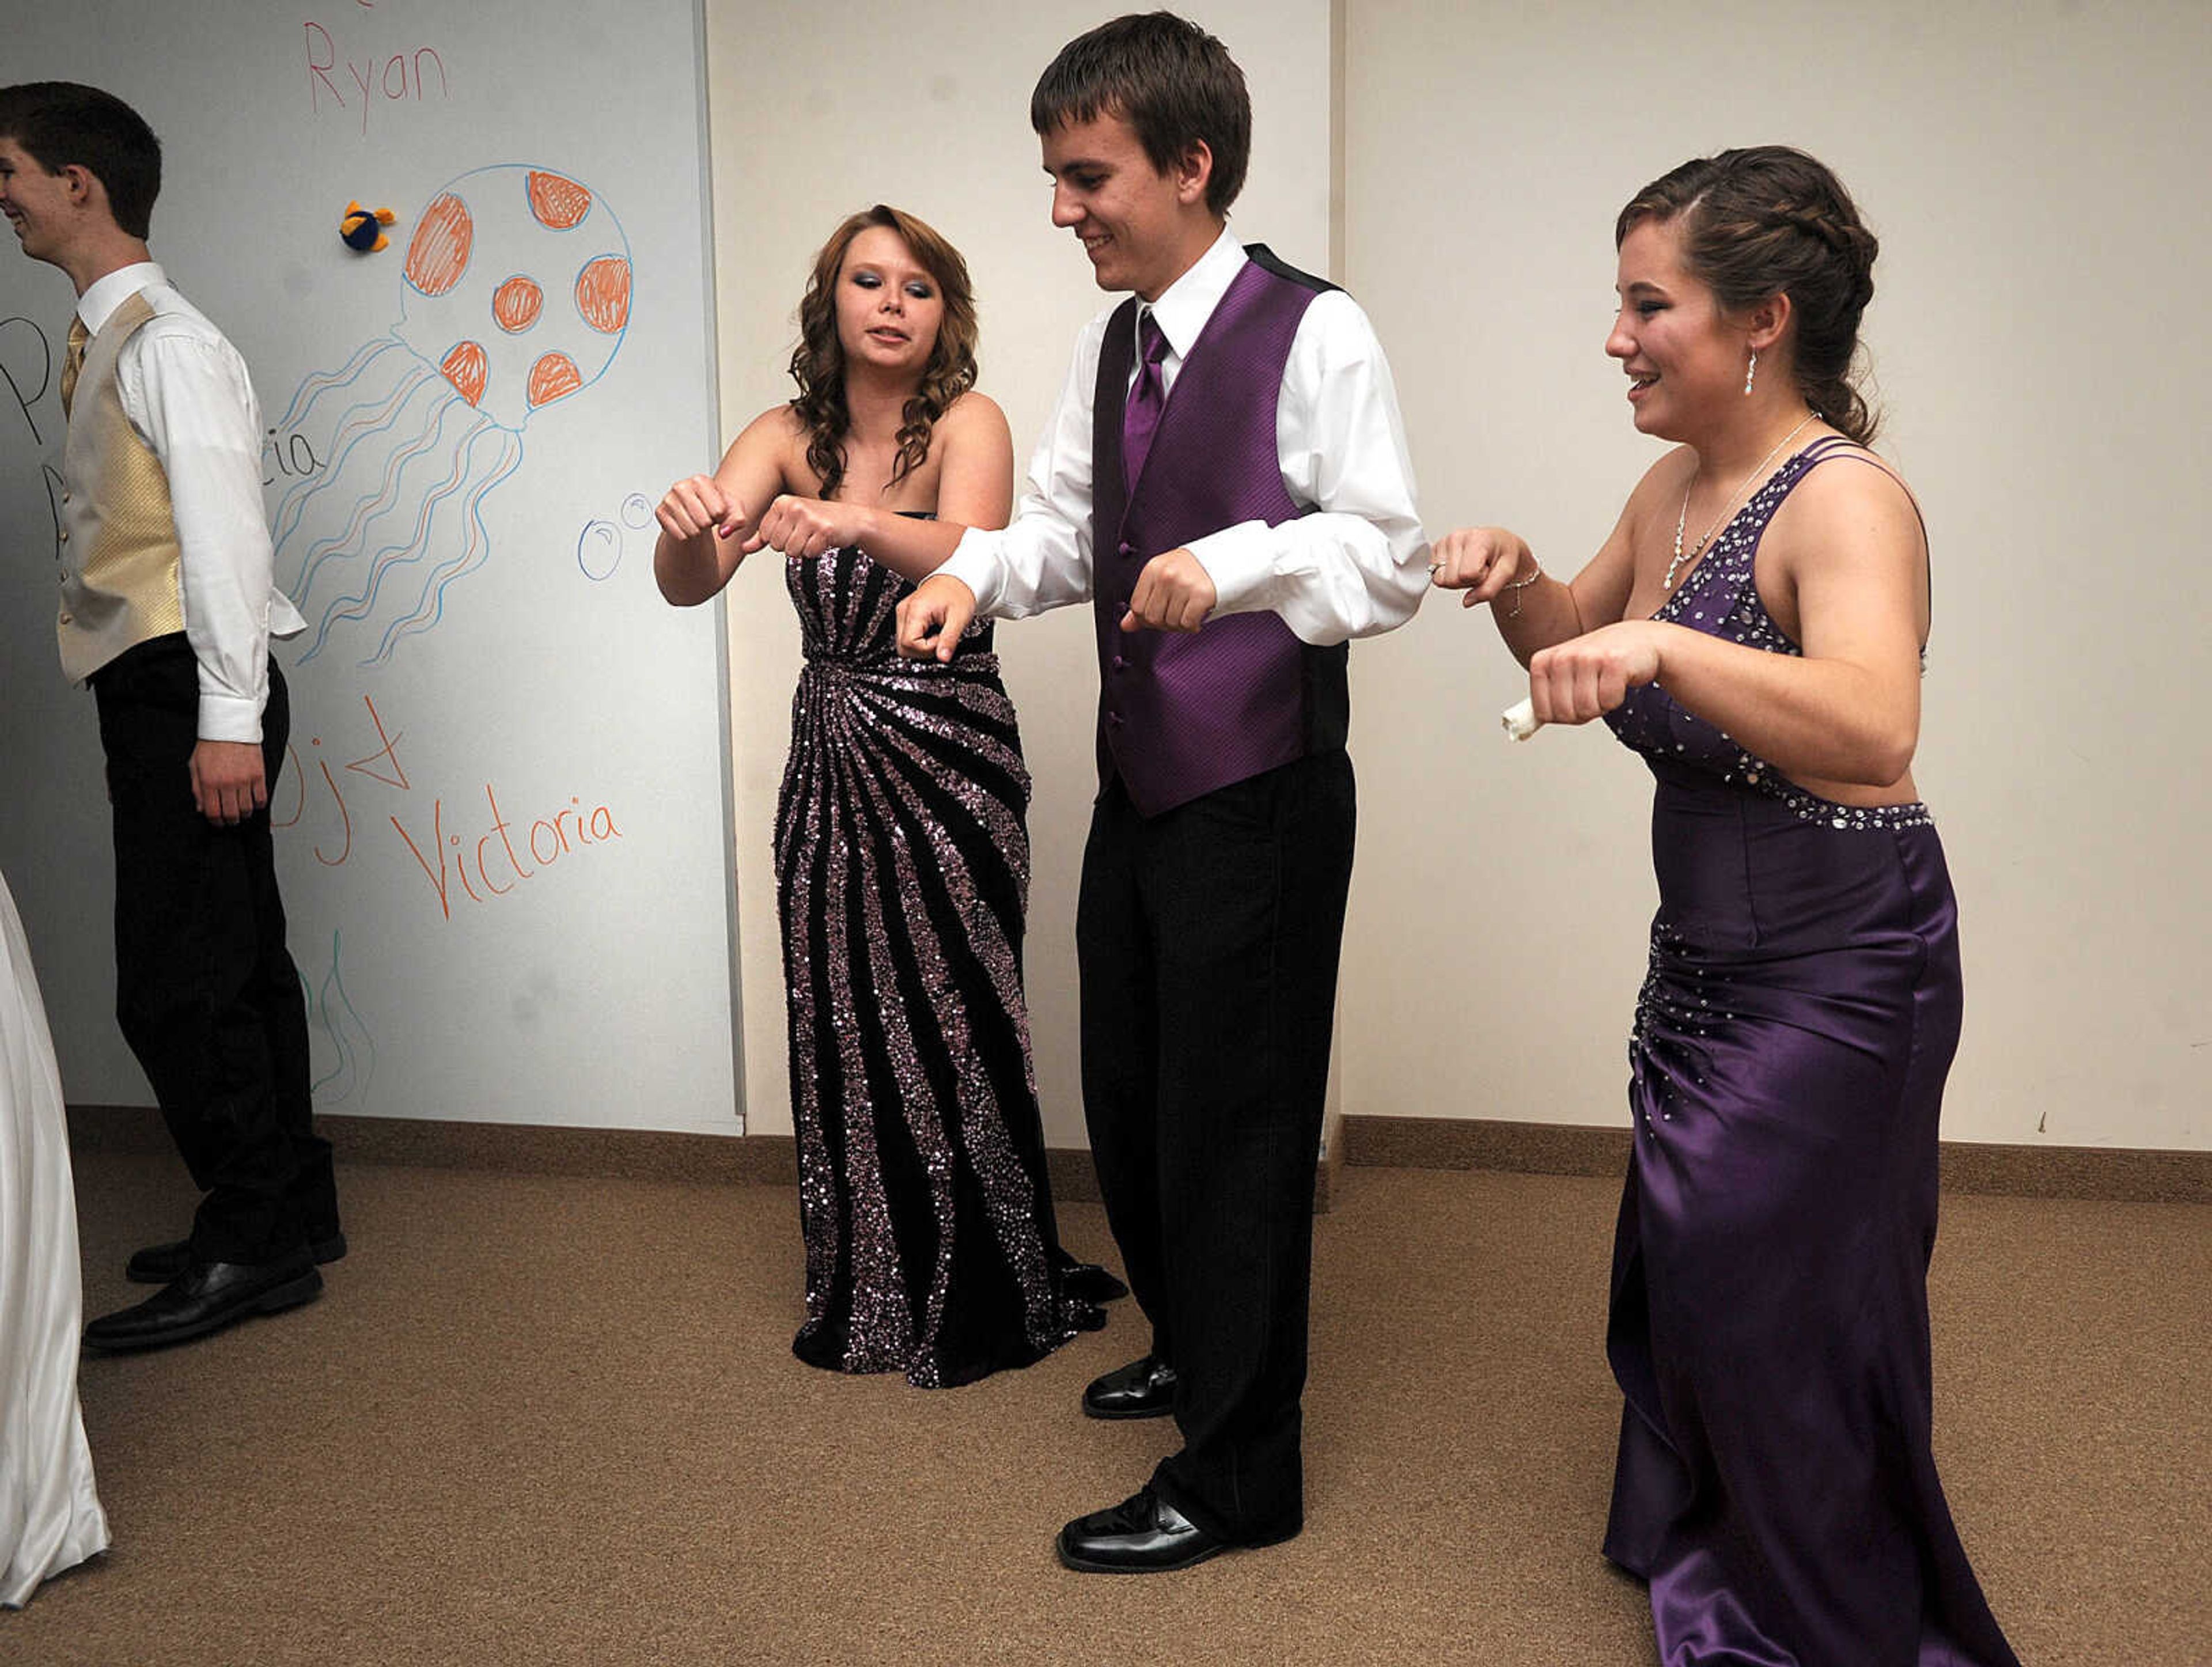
(157, 1264)
(205, 1298)
(1143, 1388)
(1142, 1534)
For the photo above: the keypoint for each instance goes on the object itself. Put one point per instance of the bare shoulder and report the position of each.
(1660, 491)
(974, 428)
(775, 439)
(1851, 495)
(779, 425)
(1851, 473)
(974, 415)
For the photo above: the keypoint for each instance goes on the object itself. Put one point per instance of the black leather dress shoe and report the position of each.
(1143, 1388)
(1142, 1534)
(157, 1264)
(207, 1297)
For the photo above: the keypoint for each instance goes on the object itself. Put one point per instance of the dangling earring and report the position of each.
(1750, 371)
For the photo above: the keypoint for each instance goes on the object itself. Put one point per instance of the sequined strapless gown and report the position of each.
(903, 867)
(1775, 1483)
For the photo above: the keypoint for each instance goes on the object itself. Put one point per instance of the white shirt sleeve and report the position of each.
(1357, 565)
(192, 399)
(1041, 558)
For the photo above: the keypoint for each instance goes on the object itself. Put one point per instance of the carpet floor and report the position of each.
(551, 1420)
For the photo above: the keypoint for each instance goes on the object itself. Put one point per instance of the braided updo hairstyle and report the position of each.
(1768, 219)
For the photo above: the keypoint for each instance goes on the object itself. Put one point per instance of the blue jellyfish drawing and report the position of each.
(351, 1049)
(515, 296)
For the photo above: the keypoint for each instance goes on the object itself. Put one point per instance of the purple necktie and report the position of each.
(1140, 418)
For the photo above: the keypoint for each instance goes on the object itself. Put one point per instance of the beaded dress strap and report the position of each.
(1835, 445)
(1715, 587)
(1737, 602)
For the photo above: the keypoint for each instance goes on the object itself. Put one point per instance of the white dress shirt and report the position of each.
(186, 393)
(1354, 567)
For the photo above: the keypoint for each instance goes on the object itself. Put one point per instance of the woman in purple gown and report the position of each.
(1754, 628)
(902, 855)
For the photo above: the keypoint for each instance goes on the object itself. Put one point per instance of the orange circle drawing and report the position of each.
(464, 369)
(553, 377)
(557, 201)
(602, 294)
(516, 304)
(439, 252)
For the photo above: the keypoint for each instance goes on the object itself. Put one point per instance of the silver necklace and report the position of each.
(1758, 472)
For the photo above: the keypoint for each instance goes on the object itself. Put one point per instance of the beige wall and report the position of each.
(819, 109)
(2034, 170)
(2031, 169)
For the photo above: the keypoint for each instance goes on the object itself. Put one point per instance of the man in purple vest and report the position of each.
(1226, 483)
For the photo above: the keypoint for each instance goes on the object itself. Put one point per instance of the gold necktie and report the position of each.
(73, 361)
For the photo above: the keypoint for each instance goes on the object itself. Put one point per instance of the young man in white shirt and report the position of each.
(167, 607)
(1226, 482)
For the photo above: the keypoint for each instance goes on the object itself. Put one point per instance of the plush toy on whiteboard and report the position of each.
(514, 295)
(363, 228)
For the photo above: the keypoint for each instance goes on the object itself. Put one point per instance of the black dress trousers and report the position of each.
(206, 993)
(1207, 940)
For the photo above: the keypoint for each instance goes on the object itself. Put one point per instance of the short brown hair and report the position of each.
(1174, 83)
(59, 123)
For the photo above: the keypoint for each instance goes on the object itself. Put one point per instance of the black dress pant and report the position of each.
(1207, 940)
(206, 992)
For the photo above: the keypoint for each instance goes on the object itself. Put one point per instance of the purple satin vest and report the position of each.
(1180, 717)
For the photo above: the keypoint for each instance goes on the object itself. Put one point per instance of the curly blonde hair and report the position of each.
(818, 364)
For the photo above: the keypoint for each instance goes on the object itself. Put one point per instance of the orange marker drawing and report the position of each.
(516, 304)
(602, 294)
(465, 369)
(553, 377)
(558, 202)
(438, 253)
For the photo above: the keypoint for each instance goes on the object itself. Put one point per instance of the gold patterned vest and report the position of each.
(121, 584)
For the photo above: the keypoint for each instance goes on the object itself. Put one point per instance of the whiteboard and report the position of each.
(502, 829)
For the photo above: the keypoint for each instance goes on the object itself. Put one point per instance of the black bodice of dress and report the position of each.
(848, 606)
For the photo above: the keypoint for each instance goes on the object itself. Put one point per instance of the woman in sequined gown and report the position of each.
(902, 855)
(1754, 628)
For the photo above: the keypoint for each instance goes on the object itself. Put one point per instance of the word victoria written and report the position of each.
(548, 842)
(494, 863)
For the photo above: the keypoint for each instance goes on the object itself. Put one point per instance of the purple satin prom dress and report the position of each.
(1775, 1484)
